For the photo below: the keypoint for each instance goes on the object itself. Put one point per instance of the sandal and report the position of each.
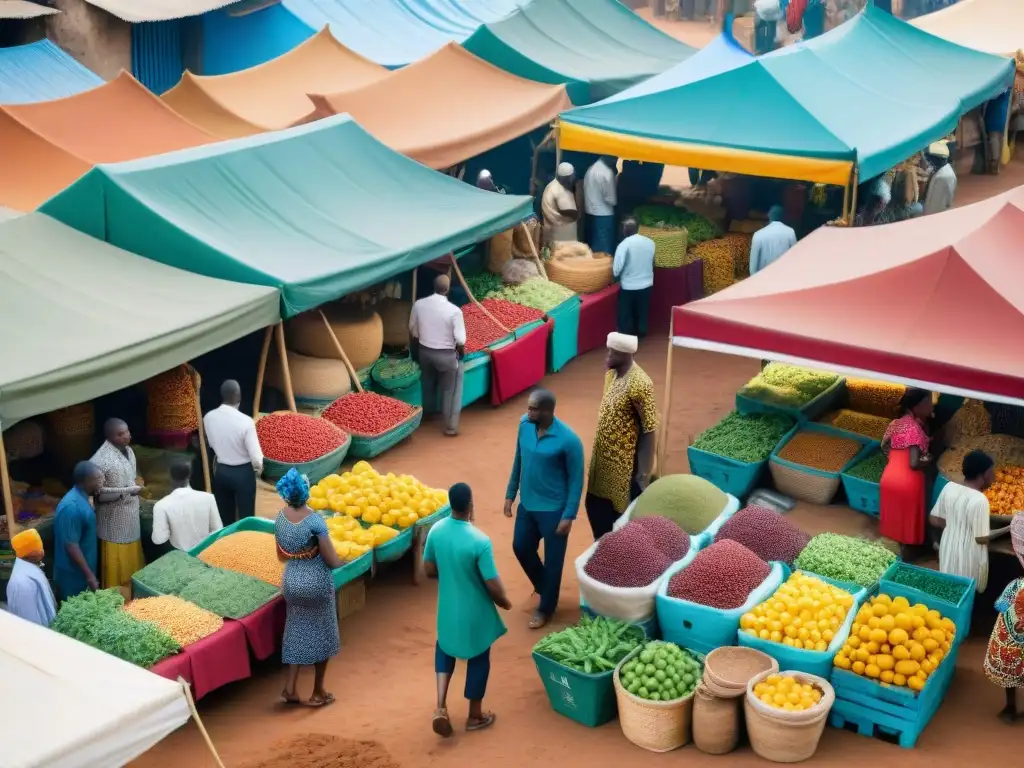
(290, 698)
(484, 722)
(320, 701)
(441, 724)
(539, 620)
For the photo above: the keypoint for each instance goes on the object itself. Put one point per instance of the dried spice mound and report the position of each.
(668, 537)
(766, 533)
(689, 501)
(253, 553)
(721, 576)
(320, 750)
(627, 558)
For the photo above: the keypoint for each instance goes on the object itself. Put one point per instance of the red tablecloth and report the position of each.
(598, 318)
(520, 365)
(673, 287)
(178, 665)
(213, 662)
(264, 628)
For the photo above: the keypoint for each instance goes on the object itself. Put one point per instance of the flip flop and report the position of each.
(317, 702)
(290, 700)
(441, 724)
(485, 722)
(539, 620)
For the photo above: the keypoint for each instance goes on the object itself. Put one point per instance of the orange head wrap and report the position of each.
(27, 542)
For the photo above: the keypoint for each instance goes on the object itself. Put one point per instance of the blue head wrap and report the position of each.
(776, 212)
(293, 488)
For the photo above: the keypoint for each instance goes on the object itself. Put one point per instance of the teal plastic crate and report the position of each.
(862, 495)
(941, 481)
(959, 613)
(701, 628)
(564, 341)
(412, 394)
(737, 478)
(315, 470)
(826, 401)
(867, 446)
(367, 447)
(586, 699)
(476, 379)
(524, 329)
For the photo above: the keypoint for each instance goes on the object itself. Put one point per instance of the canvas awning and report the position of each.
(930, 302)
(41, 71)
(92, 318)
(139, 11)
(22, 9)
(596, 47)
(271, 96)
(447, 108)
(320, 211)
(47, 145)
(993, 26)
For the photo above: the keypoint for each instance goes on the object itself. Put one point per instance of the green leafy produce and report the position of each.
(662, 671)
(228, 594)
(537, 293)
(870, 468)
(689, 501)
(80, 616)
(389, 368)
(171, 573)
(594, 645)
(845, 558)
(484, 284)
(749, 438)
(787, 385)
(929, 581)
(698, 228)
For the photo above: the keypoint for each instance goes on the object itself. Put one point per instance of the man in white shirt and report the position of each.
(942, 187)
(558, 206)
(771, 242)
(599, 203)
(439, 329)
(633, 267)
(232, 436)
(184, 517)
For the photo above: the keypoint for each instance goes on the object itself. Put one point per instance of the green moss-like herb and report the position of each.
(845, 558)
(870, 469)
(171, 573)
(748, 438)
(228, 594)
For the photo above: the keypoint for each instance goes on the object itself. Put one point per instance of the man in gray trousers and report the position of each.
(439, 333)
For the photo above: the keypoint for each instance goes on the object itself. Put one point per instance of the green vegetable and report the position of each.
(662, 671)
(484, 284)
(171, 573)
(929, 581)
(870, 468)
(698, 228)
(537, 293)
(594, 645)
(228, 594)
(389, 368)
(749, 438)
(689, 501)
(787, 385)
(844, 558)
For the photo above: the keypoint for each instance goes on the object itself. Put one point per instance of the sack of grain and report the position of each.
(518, 271)
(499, 251)
(570, 249)
(360, 333)
(316, 381)
(523, 236)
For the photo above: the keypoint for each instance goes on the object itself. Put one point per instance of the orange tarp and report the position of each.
(448, 107)
(49, 144)
(272, 95)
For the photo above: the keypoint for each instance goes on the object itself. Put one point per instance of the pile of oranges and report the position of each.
(1006, 495)
(397, 501)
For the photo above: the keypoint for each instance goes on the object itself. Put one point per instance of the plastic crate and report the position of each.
(564, 342)
(737, 478)
(800, 659)
(700, 628)
(524, 329)
(412, 394)
(960, 613)
(941, 481)
(809, 411)
(476, 379)
(818, 484)
(862, 495)
(368, 447)
(649, 627)
(587, 699)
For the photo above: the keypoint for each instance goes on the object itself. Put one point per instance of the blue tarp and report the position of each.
(237, 42)
(39, 72)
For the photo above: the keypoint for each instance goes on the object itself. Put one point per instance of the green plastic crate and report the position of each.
(315, 470)
(364, 447)
(587, 699)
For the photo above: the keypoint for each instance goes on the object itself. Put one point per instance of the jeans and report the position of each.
(634, 306)
(234, 489)
(546, 576)
(602, 234)
(478, 669)
(440, 370)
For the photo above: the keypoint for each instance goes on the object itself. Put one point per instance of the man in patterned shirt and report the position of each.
(118, 527)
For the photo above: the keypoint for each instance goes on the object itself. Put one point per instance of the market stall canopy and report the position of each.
(140, 11)
(993, 26)
(397, 32)
(321, 211)
(447, 108)
(869, 93)
(271, 96)
(49, 144)
(41, 71)
(596, 47)
(929, 302)
(91, 318)
(22, 9)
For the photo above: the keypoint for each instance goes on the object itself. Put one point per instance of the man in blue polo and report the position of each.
(547, 475)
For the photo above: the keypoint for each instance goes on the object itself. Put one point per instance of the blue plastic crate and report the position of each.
(700, 628)
(563, 344)
(960, 613)
(862, 495)
(737, 478)
(809, 411)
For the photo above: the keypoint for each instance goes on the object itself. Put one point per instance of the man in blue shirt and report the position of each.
(770, 243)
(74, 534)
(633, 267)
(547, 475)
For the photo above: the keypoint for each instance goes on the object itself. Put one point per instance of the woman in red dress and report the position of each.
(903, 517)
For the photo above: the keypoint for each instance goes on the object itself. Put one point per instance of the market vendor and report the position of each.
(599, 203)
(28, 592)
(184, 517)
(771, 242)
(547, 476)
(942, 185)
(622, 459)
(558, 206)
(633, 267)
(118, 526)
(1004, 662)
(232, 437)
(902, 487)
(439, 331)
(74, 534)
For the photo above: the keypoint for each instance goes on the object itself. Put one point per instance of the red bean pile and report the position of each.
(721, 576)
(367, 413)
(766, 533)
(294, 438)
(481, 331)
(671, 540)
(627, 558)
(510, 314)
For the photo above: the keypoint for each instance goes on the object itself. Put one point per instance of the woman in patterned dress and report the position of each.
(311, 623)
(902, 516)
(1004, 663)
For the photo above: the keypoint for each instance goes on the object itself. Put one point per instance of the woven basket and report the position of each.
(716, 722)
(315, 381)
(399, 382)
(499, 250)
(361, 335)
(803, 486)
(657, 726)
(582, 275)
(394, 317)
(669, 245)
(787, 737)
(727, 670)
(170, 403)
(24, 440)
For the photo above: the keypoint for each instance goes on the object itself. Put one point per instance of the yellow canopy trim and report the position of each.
(723, 159)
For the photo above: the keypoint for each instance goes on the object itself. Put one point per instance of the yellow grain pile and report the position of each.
(971, 420)
(718, 263)
(879, 398)
(253, 553)
(818, 450)
(860, 423)
(185, 622)
(1005, 450)
(739, 243)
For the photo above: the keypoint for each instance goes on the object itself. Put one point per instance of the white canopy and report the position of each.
(67, 705)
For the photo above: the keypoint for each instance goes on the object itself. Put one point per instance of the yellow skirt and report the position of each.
(119, 562)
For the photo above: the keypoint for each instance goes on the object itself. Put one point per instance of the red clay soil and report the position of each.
(320, 750)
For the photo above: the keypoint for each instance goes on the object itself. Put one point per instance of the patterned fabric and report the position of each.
(311, 622)
(1004, 663)
(905, 432)
(117, 521)
(1017, 536)
(628, 406)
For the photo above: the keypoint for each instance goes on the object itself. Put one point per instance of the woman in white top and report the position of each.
(962, 514)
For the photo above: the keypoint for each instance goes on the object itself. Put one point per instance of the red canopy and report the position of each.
(937, 301)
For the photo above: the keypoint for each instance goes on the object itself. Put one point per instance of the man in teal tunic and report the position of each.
(459, 555)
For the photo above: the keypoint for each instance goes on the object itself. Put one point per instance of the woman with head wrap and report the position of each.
(311, 623)
(1004, 663)
(902, 516)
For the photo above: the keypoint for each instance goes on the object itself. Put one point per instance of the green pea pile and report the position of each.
(228, 594)
(930, 582)
(870, 469)
(662, 671)
(169, 574)
(844, 558)
(748, 438)
(390, 368)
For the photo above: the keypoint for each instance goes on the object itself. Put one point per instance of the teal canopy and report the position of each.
(871, 92)
(319, 211)
(596, 47)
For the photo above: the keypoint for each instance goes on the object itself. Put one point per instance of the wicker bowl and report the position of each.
(787, 737)
(728, 670)
(582, 275)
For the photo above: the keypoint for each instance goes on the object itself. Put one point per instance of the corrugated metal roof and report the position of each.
(139, 11)
(22, 9)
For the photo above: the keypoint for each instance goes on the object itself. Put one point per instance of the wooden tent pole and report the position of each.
(853, 201)
(197, 382)
(846, 199)
(536, 160)
(199, 723)
(5, 482)
(465, 287)
(289, 393)
(412, 299)
(667, 408)
(262, 370)
(533, 250)
(341, 352)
